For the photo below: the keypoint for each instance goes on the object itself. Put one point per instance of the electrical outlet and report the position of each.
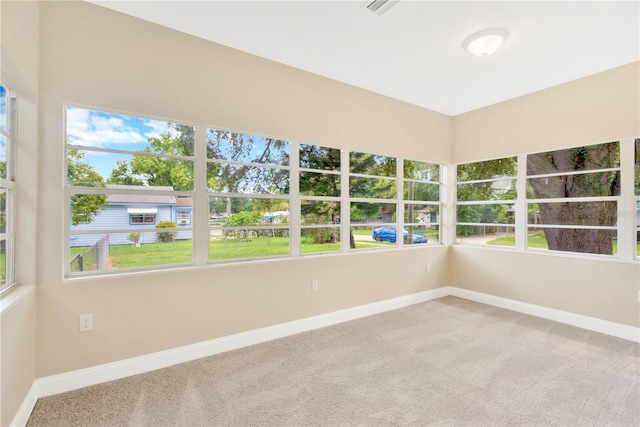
(86, 322)
(314, 285)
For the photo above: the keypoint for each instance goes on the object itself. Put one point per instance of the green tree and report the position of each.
(370, 164)
(165, 171)
(320, 184)
(238, 147)
(84, 207)
(602, 156)
(422, 191)
(506, 167)
(122, 175)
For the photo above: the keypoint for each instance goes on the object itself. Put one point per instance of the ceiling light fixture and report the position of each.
(485, 42)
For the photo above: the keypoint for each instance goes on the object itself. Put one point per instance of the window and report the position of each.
(485, 207)
(572, 199)
(183, 218)
(637, 194)
(248, 182)
(580, 200)
(320, 203)
(8, 105)
(421, 195)
(125, 177)
(142, 219)
(372, 200)
(139, 192)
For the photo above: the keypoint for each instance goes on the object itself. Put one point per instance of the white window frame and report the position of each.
(183, 217)
(571, 200)
(627, 225)
(200, 194)
(397, 201)
(143, 216)
(142, 191)
(8, 185)
(234, 195)
(406, 201)
(512, 202)
(300, 198)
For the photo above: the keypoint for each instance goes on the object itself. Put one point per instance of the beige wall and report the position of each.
(602, 289)
(17, 351)
(19, 67)
(599, 108)
(95, 57)
(602, 107)
(153, 71)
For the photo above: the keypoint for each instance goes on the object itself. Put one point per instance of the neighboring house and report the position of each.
(277, 217)
(427, 216)
(136, 211)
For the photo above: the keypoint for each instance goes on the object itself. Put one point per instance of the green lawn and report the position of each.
(126, 256)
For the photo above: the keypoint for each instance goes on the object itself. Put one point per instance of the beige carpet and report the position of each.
(444, 362)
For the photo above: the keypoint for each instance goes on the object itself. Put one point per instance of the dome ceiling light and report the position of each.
(485, 42)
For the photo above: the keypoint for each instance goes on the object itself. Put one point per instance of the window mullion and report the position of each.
(345, 204)
(200, 210)
(627, 205)
(294, 200)
(521, 206)
(400, 201)
(448, 209)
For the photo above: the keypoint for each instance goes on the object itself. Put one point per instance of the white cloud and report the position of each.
(158, 128)
(95, 129)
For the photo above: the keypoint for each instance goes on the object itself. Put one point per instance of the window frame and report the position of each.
(573, 201)
(250, 196)
(504, 202)
(396, 200)
(143, 217)
(405, 201)
(300, 199)
(200, 226)
(627, 227)
(140, 190)
(9, 187)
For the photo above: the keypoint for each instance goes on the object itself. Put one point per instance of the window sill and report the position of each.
(14, 295)
(546, 252)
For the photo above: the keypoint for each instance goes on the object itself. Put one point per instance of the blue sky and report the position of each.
(99, 129)
(107, 130)
(3, 123)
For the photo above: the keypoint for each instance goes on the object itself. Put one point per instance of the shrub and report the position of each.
(241, 219)
(135, 238)
(166, 236)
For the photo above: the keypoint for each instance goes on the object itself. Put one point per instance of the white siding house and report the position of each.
(135, 211)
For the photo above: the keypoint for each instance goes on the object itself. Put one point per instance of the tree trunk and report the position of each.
(571, 186)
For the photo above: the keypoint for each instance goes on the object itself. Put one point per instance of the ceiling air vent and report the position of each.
(379, 6)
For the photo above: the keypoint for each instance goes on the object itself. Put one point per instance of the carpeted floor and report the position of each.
(445, 362)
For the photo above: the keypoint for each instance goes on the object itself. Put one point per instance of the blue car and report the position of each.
(388, 234)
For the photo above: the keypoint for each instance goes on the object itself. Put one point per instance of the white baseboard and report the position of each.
(585, 322)
(25, 409)
(73, 380)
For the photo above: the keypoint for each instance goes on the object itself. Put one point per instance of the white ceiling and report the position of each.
(413, 52)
